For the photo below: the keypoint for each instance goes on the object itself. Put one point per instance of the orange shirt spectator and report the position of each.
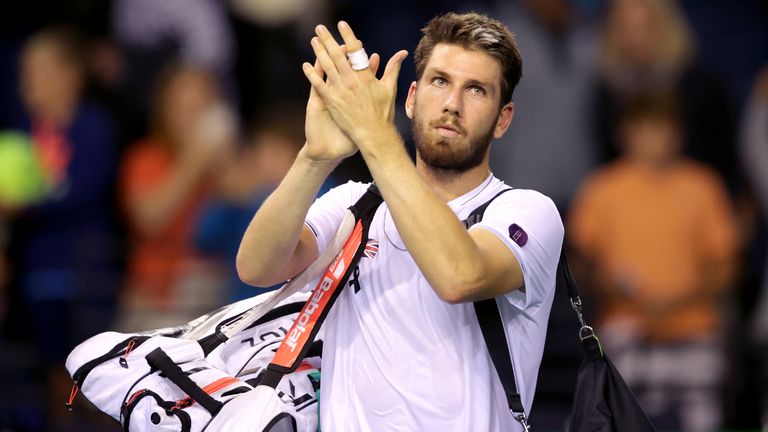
(164, 183)
(157, 258)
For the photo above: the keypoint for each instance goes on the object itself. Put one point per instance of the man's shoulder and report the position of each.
(519, 199)
(527, 208)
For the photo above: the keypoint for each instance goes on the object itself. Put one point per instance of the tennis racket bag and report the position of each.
(249, 366)
(159, 382)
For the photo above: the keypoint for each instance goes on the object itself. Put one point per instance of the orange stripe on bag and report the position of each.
(219, 384)
(210, 389)
(289, 350)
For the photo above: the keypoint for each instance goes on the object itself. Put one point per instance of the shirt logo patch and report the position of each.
(518, 235)
(371, 249)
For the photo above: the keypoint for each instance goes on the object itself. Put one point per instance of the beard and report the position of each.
(448, 154)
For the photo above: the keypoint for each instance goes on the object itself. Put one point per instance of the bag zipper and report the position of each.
(121, 349)
(169, 407)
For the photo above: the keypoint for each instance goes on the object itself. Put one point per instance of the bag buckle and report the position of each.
(520, 417)
(586, 332)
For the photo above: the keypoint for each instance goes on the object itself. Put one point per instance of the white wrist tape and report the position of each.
(359, 59)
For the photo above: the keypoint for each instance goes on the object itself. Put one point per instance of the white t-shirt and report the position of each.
(398, 358)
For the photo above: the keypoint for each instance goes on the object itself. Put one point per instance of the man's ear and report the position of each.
(504, 120)
(410, 100)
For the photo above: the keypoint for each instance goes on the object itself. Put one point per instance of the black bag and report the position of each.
(602, 401)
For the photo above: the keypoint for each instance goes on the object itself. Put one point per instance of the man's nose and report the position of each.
(453, 103)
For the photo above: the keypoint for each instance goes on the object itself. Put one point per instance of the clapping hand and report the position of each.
(325, 141)
(355, 100)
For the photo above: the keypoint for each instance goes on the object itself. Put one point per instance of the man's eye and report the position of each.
(478, 91)
(439, 81)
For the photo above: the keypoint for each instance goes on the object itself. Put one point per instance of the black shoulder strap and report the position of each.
(158, 359)
(492, 327)
(477, 214)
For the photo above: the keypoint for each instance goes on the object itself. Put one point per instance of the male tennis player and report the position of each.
(403, 349)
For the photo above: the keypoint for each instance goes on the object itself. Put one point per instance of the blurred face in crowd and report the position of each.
(653, 141)
(454, 108)
(634, 24)
(50, 82)
(185, 98)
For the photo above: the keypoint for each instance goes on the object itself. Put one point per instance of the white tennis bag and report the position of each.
(250, 366)
(164, 382)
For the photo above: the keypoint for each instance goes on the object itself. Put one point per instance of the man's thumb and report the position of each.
(392, 70)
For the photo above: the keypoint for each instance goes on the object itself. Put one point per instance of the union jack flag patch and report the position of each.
(371, 249)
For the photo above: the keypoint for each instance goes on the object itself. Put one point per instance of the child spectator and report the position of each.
(165, 179)
(657, 231)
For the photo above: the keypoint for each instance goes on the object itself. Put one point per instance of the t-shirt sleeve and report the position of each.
(530, 225)
(326, 213)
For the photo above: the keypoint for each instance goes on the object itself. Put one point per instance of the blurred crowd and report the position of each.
(138, 137)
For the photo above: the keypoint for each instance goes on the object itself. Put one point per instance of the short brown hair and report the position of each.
(473, 31)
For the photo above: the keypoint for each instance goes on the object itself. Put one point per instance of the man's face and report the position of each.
(455, 108)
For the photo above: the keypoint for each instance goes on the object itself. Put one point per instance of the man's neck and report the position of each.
(450, 185)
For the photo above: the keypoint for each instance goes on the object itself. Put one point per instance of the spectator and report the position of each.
(647, 46)
(164, 181)
(657, 231)
(64, 247)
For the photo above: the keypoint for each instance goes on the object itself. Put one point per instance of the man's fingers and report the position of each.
(319, 69)
(392, 70)
(316, 80)
(324, 60)
(313, 94)
(334, 51)
(353, 44)
(375, 61)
